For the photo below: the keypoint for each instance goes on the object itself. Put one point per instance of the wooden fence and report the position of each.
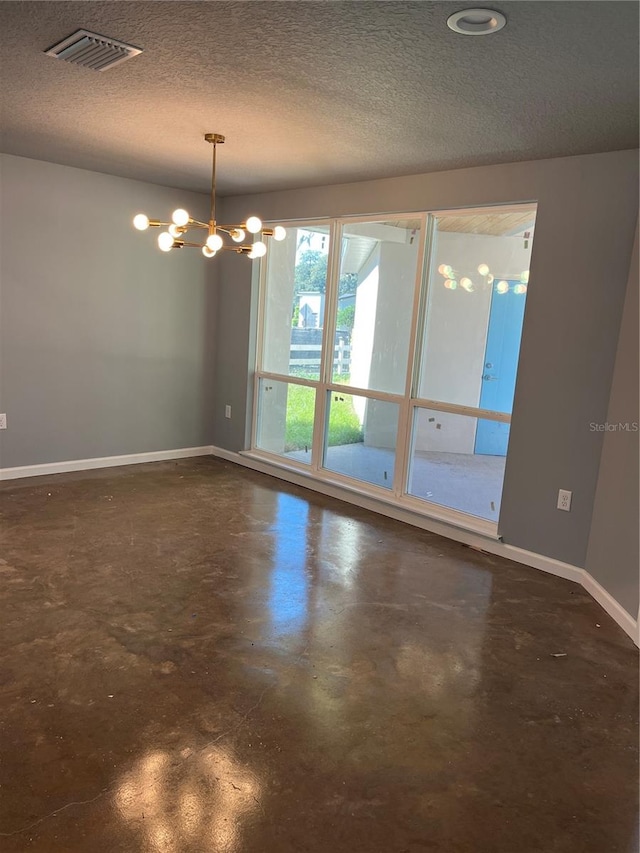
(306, 349)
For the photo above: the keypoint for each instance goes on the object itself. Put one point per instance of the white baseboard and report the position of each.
(472, 538)
(615, 610)
(102, 462)
(543, 563)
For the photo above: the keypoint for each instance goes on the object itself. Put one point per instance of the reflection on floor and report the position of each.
(467, 482)
(196, 658)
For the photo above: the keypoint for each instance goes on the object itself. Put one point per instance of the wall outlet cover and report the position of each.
(564, 499)
(3, 421)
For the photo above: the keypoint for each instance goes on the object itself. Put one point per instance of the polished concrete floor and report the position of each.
(196, 658)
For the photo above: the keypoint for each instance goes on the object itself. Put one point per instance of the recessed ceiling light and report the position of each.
(476, 22)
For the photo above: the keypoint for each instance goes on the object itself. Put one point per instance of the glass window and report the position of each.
(475, 310)
(466, 340)
(458, 462)
(294, 302)
(361, 438)
(375, 304)
(285, 419)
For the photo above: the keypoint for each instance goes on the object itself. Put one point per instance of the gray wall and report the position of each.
(237, 291)
(106, 343)
(612, 556)
(584, 233)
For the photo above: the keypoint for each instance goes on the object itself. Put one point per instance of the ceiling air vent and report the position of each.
(92, 50)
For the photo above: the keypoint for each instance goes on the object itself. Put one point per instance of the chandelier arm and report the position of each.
(241, 225)
(203, 245)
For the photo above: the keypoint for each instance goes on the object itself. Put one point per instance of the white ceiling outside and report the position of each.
(309, 93)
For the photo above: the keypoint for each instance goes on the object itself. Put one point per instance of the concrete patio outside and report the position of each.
(467, 482)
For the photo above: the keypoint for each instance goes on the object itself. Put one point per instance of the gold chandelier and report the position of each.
(175, 235)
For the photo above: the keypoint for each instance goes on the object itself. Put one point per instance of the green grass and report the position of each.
(344, 425)
(299, 428)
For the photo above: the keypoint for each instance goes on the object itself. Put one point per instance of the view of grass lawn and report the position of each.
(344, 427)
(299, 427)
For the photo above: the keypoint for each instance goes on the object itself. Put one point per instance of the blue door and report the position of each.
(500, 368)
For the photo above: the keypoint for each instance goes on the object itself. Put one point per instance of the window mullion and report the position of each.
(328, 336)
(405, 421)
(262, 290)
(331, 301)
(352, 390)
(291, 380)
(467, 411)
(422, 307)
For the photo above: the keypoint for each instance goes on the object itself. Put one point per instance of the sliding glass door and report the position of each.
(388, 352)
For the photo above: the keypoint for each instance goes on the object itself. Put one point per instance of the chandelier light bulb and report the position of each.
(502, 287)
(180, 216)
(483, 269)
(214, 242)
(165, 241)
(175, 231)
(141, 221)
(279, 232)
(207, 252)
(258, 249)
(254, 225)
(467, 284)
(237, 235)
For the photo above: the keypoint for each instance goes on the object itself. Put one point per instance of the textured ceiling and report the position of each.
(317, 92)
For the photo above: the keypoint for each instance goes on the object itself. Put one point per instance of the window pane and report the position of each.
(375, 303)
(294, 303)
(285, 419)
(361, 439)
(477, 292)
(458, 462)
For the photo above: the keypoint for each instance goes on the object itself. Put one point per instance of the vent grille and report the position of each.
(92, 50)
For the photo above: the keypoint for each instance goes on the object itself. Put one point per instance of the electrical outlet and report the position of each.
(227, 411)
(3, 421)
(564, 499)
